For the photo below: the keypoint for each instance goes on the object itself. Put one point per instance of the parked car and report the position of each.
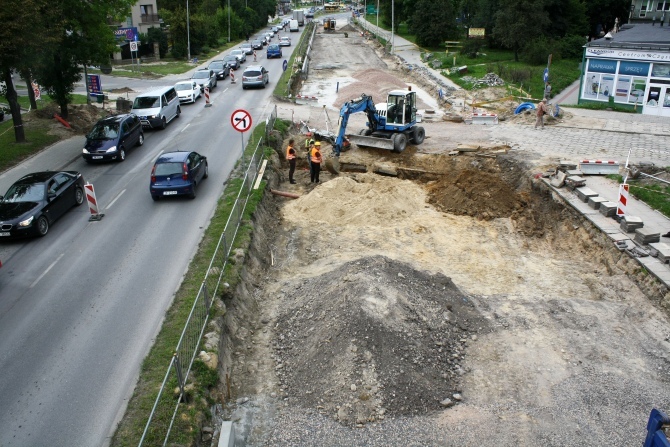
(111, 137)
(37, 200)
(274, 50)
(232, 61)
(255, 76)
(257, 44)
(274, 29)
(188, 91)
(246, 47)
(240, 55)
(284, 41)
(177, 173)
(205, 78)
(220, 69)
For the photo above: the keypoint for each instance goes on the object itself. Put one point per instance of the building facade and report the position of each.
(630, 68)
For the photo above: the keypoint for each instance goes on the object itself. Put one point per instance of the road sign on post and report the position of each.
(241, 121)
(285, 65)
(546, 75)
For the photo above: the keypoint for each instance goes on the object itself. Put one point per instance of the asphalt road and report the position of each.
(79, 308)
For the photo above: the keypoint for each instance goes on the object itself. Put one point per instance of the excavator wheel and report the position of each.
(366, 132)
(399, 142)
(418, 135)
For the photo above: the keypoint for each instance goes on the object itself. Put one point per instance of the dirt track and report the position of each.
(457, 305)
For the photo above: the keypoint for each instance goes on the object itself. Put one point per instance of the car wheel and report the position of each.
(155, 198)
(163, 123)
(122, 155)
(78, 196)
(206, 174)
(193, 193)
(178, 111)
(140, 140)
(42, 226)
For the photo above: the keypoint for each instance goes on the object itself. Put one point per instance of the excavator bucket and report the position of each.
(379, 143)
(333, 165)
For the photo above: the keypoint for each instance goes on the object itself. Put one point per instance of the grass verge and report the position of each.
(655, 196)
(37, 138)
(282, 89)
(185, 430)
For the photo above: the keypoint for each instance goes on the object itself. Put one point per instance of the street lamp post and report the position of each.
(228, 21)
(392, 25)
(188, 33)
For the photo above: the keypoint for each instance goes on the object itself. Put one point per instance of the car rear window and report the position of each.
(182, 87)
(172, 168)
(252, 73)
(273, 47)
(200, 75)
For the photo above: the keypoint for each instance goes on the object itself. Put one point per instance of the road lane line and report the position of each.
(185, 127)
(46, 271)
(156, 158)
(115, 199)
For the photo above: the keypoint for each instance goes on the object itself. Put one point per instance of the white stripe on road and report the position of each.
(46, 271)
(115, 199)
(185, 127)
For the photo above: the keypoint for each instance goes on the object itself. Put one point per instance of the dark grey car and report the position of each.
(220, 69)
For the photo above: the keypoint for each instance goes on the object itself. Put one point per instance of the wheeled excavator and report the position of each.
(390, 125)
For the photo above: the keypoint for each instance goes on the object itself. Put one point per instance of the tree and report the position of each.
(84, 39)
(18, 46)
(520, 21)
(433, 21)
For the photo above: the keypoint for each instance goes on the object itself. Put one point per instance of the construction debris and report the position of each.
(646, 236)
(631, 223)
(489, 80)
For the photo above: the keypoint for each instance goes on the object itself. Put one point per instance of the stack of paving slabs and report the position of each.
(575, 181)
(594, 202)
(584, 193)
(645, 236)
(566, 166)
(631, 223)
(662, 251)
(608, 209)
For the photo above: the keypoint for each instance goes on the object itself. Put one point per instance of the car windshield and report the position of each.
(146, 102)
(252, 73)
(171, 168)
(25, 193)
(256, 42)
(200, 75)
(183, 87)
(245, 45)
(106, 131)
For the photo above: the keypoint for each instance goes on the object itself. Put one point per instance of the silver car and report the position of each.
(247, 48)
(255, 76)
(240, 55)
(205, 78)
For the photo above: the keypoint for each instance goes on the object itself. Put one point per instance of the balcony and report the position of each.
(149, 18)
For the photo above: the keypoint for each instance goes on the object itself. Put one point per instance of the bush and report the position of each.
(518, 75)
(471, 47)
(570, 47)
(537, 51)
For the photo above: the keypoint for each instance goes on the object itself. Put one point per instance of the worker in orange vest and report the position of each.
(315, 157)
(290, 156)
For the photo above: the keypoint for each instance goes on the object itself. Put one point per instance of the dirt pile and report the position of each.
(373, 82)
(80, 117)
(374, 338)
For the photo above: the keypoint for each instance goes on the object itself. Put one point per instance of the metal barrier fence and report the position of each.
(300, 52)
(157, 430)
(377, 32)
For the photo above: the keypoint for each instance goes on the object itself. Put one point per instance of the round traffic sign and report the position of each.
(133, 46)
(241, 120)
(285, 65)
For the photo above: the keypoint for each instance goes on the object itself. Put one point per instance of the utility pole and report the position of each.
(392, 26)
(188, 32)
(228, 21)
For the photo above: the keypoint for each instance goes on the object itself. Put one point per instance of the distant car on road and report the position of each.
(111, 137)
(255, 76)
(220, 69)
(274, 50)
(285, 41)
(240, 55)
(232, 61)
(205, 78)
(188, 91)
(178, 173)
(37, 200)
(257, 44)
(246, 47)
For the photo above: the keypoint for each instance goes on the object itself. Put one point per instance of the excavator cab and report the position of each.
(401, 107)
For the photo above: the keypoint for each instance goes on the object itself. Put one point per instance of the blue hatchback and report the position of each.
(274, 50)
(177, 173)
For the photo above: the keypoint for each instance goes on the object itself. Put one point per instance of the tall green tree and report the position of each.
(84, 39)
(520, 21)
(433, 22)
(604, 12)
(19, 47)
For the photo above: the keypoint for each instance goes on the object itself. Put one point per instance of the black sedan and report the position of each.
(232, 61)
(37, 200)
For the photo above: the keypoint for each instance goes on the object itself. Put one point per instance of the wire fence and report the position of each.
(164, 411)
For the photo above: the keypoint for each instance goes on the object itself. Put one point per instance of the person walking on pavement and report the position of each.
(541, 111)
(315, 158)
(290, 156)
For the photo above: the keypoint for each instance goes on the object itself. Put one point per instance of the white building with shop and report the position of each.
(631, 69)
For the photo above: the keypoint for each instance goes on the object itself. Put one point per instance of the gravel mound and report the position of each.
(372, 339)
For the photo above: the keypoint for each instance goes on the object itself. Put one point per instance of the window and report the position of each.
(663, 6)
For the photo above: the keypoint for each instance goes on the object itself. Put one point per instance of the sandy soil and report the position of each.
(457, 304)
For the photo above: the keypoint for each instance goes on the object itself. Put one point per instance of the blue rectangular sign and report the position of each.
(94, 85)
(602, 66)
(634, 68)
(126, 33)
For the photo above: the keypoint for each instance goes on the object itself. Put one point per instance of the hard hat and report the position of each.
(318, 143)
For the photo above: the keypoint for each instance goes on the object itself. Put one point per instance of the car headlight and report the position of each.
(27, 222)
(111, 149)
(151, 117)
(85, 151)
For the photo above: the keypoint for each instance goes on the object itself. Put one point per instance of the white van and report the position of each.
(293, 26)
(157, 107)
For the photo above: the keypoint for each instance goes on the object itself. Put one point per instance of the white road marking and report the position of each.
(115, 199)
(156, 157)
(46, 271)
(185, 127)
